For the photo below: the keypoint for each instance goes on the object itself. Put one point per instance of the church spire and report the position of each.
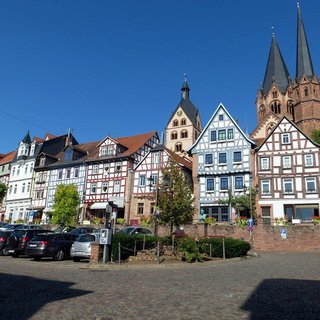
(276, 70)
(303, 62)
(185, 89)
(27, 138)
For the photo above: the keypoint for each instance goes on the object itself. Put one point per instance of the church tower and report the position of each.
(297, 99)
(184, 125)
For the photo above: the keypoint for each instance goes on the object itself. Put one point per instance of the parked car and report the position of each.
(135, 230)
(83, 230)
(4, 235)
(81, 248)
(55, 245)
(29, 226)
(11, 226)
(62, 229)
(2, 224)
(19, 239)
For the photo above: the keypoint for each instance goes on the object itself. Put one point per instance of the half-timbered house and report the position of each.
(110, 170)
(147, 175)
(288, 173)
(221, 165)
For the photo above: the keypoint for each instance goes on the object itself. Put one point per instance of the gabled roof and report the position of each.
(276, 70)
(7, 158)
(220, 106)
(278, 124)
(303, 63)
(180, 160)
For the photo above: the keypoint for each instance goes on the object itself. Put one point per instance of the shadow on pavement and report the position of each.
(285, 299)
(21, 296)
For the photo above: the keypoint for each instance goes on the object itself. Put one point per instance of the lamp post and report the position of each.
(155, 210)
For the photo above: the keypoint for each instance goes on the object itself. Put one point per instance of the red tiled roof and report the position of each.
(186, 163)
(8, 157)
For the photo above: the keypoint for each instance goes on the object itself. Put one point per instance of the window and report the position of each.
(184, 134)
(59, 174)
(264, 163)
(220, 117)
(13, 171)
(178, 147)
(106, 168)
(42, 161)
(26, 169)
(104, 187)
(154, 179)
(266, 215)
(213, 135)
(288, 185)
(222, 158)
(156, 157)
(110, 150)
(103, 151)
(142, 180)
(224, 183)
(221, 135)
(265, 186)
(274, 94)
(31, 167)
(237, 156)
(10, 189)
(93, 187)
(285, 138)
(117, 185)
(174, 135)
(306, 93)
(209, 158)
(95, 169)
(32, 150)
(118, 166)
(68, 173)
(183, 122)
(210, 184)
(23, 188)
(140, 208)
(175, 123)
(76, 172)
(308, 159)
(275, 107)
(286, 162)
(18, 171)
(15, 189)
(230, 134)
(311, 184)
(28, 186)
(238, 182)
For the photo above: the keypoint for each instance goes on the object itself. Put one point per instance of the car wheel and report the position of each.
(59, 255)
(15, 255)
(5, 251)
(76, 259)
(37, 258)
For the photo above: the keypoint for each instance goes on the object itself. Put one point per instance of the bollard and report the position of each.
(119, 252)
(223, 249)
(210, 250)
(144, 242)
(135, 247)
(158, 252)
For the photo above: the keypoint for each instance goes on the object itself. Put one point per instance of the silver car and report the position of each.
(81, 248)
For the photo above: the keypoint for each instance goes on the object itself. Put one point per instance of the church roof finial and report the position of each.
(185, 88)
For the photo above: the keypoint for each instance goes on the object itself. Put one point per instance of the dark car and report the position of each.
(135, 230)
(55, 245)
(11, 226)
(4, 235)
(82, 230)
(18, 240)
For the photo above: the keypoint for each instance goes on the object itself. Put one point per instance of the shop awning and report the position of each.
(102, 205)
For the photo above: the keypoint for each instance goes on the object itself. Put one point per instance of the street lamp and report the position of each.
(155, 214)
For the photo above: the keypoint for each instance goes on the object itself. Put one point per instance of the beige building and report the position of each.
(184, 126)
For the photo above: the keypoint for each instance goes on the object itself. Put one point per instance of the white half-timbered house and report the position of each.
(70, 168)
(110, 170)
(147, 175)
(5, 163)
(221, 165)
(287, 166)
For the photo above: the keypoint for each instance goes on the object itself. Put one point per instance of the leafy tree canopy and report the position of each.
(315, 136)
(3, 191)
(175, 196)
(66, 202)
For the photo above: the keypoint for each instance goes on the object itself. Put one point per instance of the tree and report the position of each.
(315, 136)
(3, 191)
(175, 196)
(66, 202)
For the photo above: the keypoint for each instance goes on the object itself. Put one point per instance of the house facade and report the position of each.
(147, 176)
(221, 166)
(288, 175)
(110, 173)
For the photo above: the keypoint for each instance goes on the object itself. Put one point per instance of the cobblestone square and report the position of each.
(272, 286)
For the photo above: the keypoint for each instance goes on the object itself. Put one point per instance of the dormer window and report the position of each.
(103, 151)
(42, 161)
(33, 146)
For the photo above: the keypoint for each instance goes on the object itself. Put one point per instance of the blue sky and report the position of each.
(116, 67)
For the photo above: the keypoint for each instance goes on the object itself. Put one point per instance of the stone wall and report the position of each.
(265, 237)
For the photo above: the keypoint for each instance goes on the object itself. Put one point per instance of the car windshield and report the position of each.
(127, 230)
(18, 233)
(86, 238)
(40, 237)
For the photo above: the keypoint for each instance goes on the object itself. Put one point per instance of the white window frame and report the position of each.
(117, 186)
(205, 159)
(287, 162)
(285, 138)
(309, 160)
(265, 183)
(285, 182)
(95, 169)
(264, 163)
(207, 189)
(105, 186)
(142, 180)
(156, 157)
(312, 180)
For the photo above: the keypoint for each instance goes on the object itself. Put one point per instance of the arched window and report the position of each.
(274, 94)
(290, 106)
(178, 147)
(275, 107)
(174, 135)
(183, 122)
(306, 91)
(175, 123)
(184, 134)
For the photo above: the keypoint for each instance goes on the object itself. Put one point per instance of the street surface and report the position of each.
(272, 286)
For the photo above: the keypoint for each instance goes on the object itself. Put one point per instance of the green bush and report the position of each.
(128, 243)
(233, 247)
(191, 250)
